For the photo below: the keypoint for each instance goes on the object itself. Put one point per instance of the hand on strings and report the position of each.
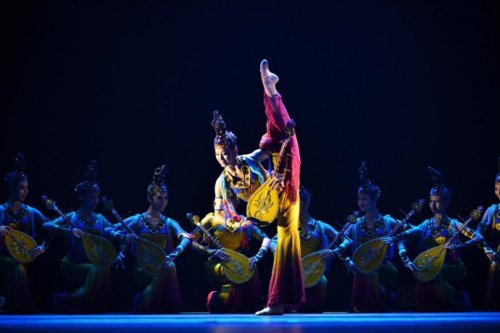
(4, 230)
(411, 266)
(120, 261)
(457, 245)
(277, 182)
(186, 235)
(219, 254)
(249, 221)
(77, 233)
(169, 259)
(407, 262)
(327, 254)
(269, 79)
(36, 251)
(246, 222)
(131, 237)
(387, 240)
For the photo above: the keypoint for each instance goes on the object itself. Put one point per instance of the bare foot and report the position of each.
(269, 79)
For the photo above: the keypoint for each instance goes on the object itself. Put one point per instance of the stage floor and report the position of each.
(297, 323)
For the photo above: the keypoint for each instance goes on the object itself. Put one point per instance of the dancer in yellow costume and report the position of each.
(242, 176)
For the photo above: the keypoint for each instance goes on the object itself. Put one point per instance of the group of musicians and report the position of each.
(303, 247)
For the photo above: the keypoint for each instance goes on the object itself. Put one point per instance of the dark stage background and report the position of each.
(398, 84)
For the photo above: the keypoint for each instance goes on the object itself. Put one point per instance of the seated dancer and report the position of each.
(244, 297)
(443, 293)
(489, 229)
(242, 176)
(315, 235)
(372, 292)
(93, 295)
(15, 214)
(161, 292)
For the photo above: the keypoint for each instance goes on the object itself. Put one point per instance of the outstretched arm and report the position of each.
(259, 155)
(184, 238)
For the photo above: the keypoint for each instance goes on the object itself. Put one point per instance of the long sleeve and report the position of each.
(413, 232)
(58, 225)
(482, 228)
(40, 220)
(257, 233)
(348, 240)
(181, 235)
(330, 231)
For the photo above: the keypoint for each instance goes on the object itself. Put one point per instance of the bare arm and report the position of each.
(259, 155)
(218, 207)
(223, 207)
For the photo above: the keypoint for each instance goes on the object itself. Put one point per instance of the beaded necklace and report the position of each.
(16, 219)
(89, 221)
(436, 230)
(370, 233)
(153, 229)
(237, 182)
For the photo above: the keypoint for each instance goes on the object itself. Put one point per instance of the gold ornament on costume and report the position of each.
(220, 128)
(429, 263)
(149, 248)
(158, 184)
(264, 203)
(313, 266)
(100, 252)
(18, 243)
(440, 240)
(370, 255)
(237, 267)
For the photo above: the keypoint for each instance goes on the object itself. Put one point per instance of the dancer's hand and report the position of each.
(407, 262)
(186, 235)
(4, 230)
(411, 266)
(252, 263)
(219, 254)
(131, 237)
(246, 222)
(257, 257)
(36, 251)
(327, 254)
(78, 233)
(269, 79)
(277, 182)
(455, 245)
(120, 260)
(387, 240)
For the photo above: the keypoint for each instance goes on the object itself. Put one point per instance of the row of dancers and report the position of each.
(303, 248)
